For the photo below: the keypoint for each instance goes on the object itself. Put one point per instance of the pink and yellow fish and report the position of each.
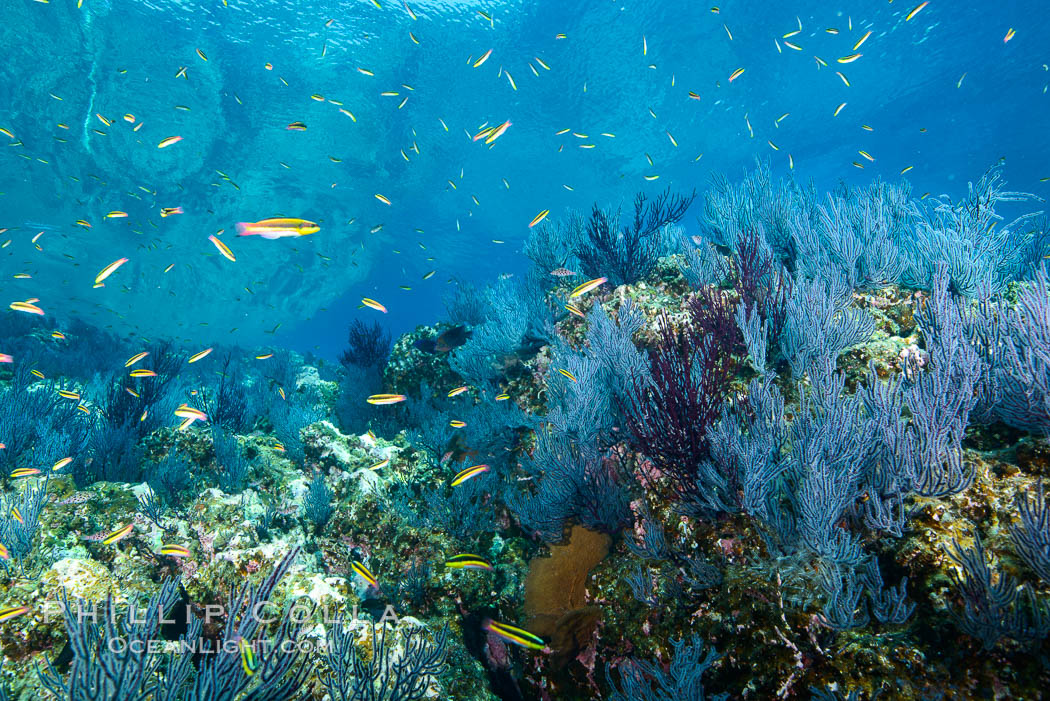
(277, 228)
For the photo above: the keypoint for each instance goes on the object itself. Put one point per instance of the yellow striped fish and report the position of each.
(464, 475)
(468, 561)
(364, 573)
(513, 634)
(119, 534)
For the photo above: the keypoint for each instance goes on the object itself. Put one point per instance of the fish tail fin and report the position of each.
(243, 230)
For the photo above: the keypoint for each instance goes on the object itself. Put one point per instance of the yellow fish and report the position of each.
(27, 307)
(135, 358)
(109, 269)
(386, 398)
(539, 217)
(223, 248)
(199, 356)
(518, 636)
(277, 228)
(464, 475)
(364, 573)
(175, 550)
(567, 374)
(249, 662)
(468, 561)
(373, 304)
(9, 613)
(916, 11)
(118, 535)
(188, 412)
(586, 287)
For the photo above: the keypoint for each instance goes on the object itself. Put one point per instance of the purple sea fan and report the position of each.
(669, 414)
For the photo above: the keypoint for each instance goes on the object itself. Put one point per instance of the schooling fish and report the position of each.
(277, 228)
(27, 307)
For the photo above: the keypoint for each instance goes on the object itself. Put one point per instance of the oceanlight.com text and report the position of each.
(207, 647)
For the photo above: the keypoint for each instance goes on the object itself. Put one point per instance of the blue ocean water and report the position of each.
(625, 349)
(942, 93)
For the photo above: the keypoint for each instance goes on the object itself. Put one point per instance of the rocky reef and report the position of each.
(714, 473)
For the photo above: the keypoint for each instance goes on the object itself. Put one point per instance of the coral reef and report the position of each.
(787, 457)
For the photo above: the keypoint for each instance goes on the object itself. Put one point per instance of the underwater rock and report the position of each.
(409, 366)
(84, 579)
(446, 341)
